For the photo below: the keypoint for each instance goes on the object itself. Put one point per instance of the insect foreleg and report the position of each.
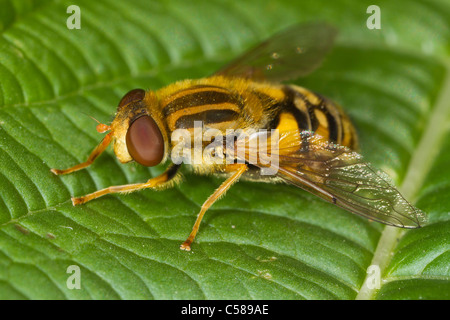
(94, 154)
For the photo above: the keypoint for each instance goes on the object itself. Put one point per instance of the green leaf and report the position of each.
(261, 241)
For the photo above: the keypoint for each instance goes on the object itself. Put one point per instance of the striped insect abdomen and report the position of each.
(309, 111)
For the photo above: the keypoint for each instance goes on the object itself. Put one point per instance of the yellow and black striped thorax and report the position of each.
(222, 104)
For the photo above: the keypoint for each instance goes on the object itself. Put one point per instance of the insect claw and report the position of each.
(186, 246)
(56, 171)
(77, 201)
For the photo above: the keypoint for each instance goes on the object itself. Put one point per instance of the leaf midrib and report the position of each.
(421, 163)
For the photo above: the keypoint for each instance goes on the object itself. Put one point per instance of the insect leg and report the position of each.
(209, 202)
(97, 151)
(158, 181)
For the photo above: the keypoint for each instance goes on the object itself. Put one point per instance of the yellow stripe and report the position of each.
(321, 117)
(349, 137)
(252, 105)
(311, 97)
(274, 93)
(322, 129)
(301, 105)
(287, 122)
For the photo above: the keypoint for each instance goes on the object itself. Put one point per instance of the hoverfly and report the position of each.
(316, 142)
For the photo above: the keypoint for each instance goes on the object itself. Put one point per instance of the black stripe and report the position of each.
(267, 103)
(312, 115)
(172, 171)
(275, 122)
(301, 118)
(332, 127)
(210, 116)
(332, 121)
(198, 99)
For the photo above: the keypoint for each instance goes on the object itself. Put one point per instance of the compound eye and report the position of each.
(145, 142)
(133, 95)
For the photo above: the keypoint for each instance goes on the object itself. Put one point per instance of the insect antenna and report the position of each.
(101, 128)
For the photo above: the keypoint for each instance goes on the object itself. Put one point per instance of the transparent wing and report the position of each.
(287, 55)
(334, 173)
